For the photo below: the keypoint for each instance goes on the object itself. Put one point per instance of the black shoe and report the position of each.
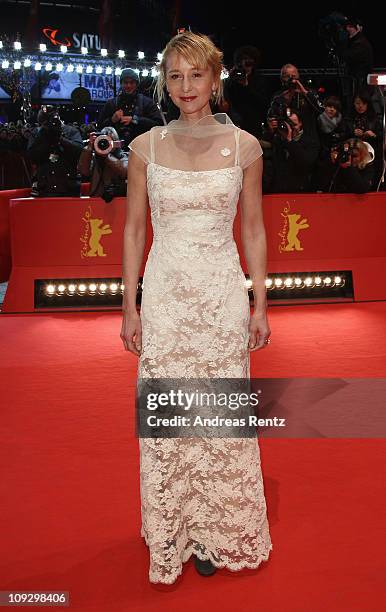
(205, 568)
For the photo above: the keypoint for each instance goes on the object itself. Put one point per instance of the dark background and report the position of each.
(284, 32)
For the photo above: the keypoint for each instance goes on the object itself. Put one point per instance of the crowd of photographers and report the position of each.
(310, 144)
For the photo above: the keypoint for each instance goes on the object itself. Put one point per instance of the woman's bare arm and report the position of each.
(255, 249)
(133, 249)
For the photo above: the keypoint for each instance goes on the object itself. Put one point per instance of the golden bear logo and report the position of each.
(93, 233)
(289, 235)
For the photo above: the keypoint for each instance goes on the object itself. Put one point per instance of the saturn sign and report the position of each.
(76, 41)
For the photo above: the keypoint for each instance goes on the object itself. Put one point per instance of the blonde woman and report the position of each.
(200, 496)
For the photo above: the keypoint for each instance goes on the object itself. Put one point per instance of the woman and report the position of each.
(199, 496)
(350, 168)
(363, 122)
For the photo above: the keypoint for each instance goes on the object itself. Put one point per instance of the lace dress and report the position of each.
(202, 496)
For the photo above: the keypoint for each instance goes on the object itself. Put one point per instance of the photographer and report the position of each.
(55, 149)
(295, 96)
(294, 151)
(350, 168)
(106, 163)
(131, 112)
(245, 91)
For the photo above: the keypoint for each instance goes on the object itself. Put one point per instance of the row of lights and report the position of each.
(83, 288)
(84, 50)
(75, 68)
(295, 282)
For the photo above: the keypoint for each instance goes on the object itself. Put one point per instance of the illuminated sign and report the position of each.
(76, 40)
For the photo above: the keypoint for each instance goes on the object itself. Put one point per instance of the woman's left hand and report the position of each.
(259, 331)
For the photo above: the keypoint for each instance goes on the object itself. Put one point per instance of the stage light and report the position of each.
(318, 281)
(327, 280)
(84, 50)
(43, 47)
(104, 52)
(48, 67)
(79, 69)
(27, 63)
(268, 283)
(50, 289)
(121, 53)
(337, 280)
(308, 281)
(289, 282)
(59, 68)
(278, 282)
(70, 68)
(17, 65)
(89, 69)
(99, 69)
(109, 70)
(298, 281)
(113, 287)
(154, 72)
(159, 57)
(145, 73)
(93, 287)
(63, 49)
(118, 71)
(71, 288)
(17, 45)
(141, 55)
(38, 66)
(61, 288)
(82, 287)
(102, 287)
(5, 64)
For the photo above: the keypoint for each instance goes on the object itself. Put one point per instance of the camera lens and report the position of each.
(103, 144)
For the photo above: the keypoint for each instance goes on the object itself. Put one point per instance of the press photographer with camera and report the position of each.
(293, 153)
(106, 163)
(245, 91)
(294, 95)
(350, 168)
(130, 112)
(55, 149)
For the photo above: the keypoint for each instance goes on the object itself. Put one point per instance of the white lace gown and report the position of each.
(202, 496)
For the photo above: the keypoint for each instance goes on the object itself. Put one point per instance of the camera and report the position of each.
(280, 112)
(342, 152)
(104, 144)
(126, 103)
(289, 83)
(54, 122)
(238, 73)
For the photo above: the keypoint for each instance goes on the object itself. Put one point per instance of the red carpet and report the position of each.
(70, 486)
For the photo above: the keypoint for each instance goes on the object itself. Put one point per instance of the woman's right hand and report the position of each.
(131, 332)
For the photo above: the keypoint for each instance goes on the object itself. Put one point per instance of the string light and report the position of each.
(63, 49)
(17, 45)
(121, 53)
(104, 52)
(141, 55)
(38, 66)
(43, 47)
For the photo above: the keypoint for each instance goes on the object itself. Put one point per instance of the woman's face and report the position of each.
(190, 88)
(360, 105)
(331, 111)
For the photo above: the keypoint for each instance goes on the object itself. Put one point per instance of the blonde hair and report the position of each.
(365, 156)
(200, 52)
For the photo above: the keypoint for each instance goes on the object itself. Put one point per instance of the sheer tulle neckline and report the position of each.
(193, 171)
